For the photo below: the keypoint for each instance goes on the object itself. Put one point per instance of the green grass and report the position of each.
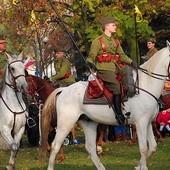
(118, 156)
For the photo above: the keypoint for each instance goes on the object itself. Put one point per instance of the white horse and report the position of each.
(12, 107)
(70, 109)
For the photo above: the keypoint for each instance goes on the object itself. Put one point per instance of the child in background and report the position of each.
(163, 120)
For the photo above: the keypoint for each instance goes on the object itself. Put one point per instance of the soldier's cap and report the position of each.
(153, 40)
(59, 49)
(106, 20)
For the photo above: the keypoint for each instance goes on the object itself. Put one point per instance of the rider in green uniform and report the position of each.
(2, 58)
(63, 68)
(104, 53)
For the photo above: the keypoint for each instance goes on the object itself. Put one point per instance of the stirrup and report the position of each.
(31, 122)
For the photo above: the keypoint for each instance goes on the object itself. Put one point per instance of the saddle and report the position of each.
(94, 95)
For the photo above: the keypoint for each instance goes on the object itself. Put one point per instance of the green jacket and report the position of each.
(63, 67)
(150, 53)
(2, 64)
(111, 48)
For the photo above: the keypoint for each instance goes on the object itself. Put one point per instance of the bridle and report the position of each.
(34, 90)
(154, 75)
(14, 87)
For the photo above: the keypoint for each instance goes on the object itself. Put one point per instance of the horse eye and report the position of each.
(12, 69)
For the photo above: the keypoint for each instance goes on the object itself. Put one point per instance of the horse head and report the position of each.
(15, 74)
(32, 85)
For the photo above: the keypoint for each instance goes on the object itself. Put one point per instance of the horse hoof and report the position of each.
(137, 168)
(99, 150)
(9, 167)
(159, 140)
(14, 147)
(59, 160)
(133, 142)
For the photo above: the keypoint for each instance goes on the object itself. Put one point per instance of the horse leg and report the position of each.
(14, 145)
(61, 134)
(14, 149)
(102, 129)
(141, 128)
(60, 158)
(134, 135)
(73, 133)
(151, 141)
(90, 129)
(156, 132)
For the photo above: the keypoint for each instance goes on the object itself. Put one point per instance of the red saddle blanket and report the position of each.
(95, 95)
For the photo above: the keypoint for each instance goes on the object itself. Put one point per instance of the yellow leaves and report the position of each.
(33, 17)
(14, 2)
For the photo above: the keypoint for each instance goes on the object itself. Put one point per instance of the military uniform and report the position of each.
(150, 53)
(104, 53)
(2, 65)
(63, 72)
(2, 58)
(151, 46)
(107, 70)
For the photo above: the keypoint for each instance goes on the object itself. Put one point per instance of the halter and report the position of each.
(13, 86)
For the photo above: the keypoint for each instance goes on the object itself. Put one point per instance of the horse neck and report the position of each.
(44, 90)
(11, 98)
(153, 83)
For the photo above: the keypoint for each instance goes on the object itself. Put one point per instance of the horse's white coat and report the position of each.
(13, 100)
(143, 108)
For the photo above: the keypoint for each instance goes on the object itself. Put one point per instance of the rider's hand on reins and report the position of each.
(134, 64)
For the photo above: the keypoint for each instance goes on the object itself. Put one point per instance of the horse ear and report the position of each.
(168, 43)
(20, 56)
(8, 56)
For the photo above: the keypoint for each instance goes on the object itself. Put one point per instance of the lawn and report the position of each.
(118, 156)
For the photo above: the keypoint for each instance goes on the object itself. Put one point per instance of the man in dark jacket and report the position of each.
(104, 53)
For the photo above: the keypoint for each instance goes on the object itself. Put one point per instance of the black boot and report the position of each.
(117, 105)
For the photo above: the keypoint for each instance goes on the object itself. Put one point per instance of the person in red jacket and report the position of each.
(163, 120)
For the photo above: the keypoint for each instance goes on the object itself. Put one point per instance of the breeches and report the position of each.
(110, 81)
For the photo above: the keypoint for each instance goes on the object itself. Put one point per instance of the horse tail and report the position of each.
(47, 117)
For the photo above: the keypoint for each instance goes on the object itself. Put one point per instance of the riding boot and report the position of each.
(117, 106)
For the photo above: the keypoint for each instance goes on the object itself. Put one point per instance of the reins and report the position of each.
(154, 75)
(14, 87)
(36, 90)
